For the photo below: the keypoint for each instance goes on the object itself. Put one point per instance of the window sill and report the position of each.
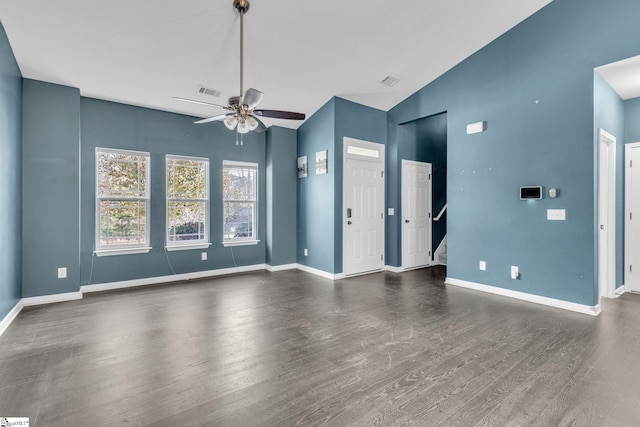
(122, 251)
(187, 247)
(240, 243)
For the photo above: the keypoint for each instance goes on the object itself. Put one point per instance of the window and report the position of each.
(122, 202)
(187, 202)
(239, 188)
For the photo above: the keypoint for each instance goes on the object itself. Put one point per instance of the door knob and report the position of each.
(407, 221)
(348, 222)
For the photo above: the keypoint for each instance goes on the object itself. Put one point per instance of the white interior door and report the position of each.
(632, 208)
(416, 214)
(606, 214)
(363, 207)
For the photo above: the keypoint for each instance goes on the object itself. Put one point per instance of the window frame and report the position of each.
(242, 241)
(186, 245)
(127, 248)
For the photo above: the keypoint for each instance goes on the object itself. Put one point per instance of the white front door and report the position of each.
(606, 214)
(363, 215)
(632, 214)
(416, 214)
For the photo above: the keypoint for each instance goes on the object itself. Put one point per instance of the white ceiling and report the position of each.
(300, 53)
(623, 76)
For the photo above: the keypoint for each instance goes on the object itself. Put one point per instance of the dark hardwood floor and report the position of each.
(289, 349)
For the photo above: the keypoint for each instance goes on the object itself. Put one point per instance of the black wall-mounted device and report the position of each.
(530, 193)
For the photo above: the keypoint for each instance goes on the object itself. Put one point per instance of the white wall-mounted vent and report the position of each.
(389, 81)
(208, 91)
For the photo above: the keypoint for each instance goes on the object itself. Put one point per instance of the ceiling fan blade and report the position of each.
(251, 98)
(275, 114)
(193, 101)
(214, 118)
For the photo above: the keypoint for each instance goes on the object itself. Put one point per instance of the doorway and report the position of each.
(416, 214)
(363, 205)
(632, 208)
(606, 214)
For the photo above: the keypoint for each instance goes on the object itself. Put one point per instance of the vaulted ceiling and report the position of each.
(300, 53)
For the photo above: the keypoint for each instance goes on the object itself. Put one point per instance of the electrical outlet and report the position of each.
(62, 273)
(483, 265)
(203, 256)
(515, 272)
(306, 252)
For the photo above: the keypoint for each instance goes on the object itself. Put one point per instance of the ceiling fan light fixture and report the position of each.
(251, 123)
(243, 127)
(231, 122)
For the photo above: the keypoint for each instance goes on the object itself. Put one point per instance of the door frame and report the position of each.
(429, 210)
(353, 142)
(627, 212)
(606, 214)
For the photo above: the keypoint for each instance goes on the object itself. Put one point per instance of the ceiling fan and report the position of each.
(242, 114)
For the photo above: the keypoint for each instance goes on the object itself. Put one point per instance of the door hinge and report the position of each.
(630, 216)
(429, 253)
(429, 176)
(429, 214)
(382, 174)
(630, 163)
(381, 216)
(630, 268)
(381, 258)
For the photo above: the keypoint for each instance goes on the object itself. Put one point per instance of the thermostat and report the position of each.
(530, 193)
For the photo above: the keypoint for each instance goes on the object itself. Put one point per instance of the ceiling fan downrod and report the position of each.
(242, 6)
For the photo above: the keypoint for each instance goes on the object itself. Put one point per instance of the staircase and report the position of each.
(441, 252)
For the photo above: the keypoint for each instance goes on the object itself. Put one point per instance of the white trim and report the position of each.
(246, 165)
(168, 279)
(627, 212)
(620, 291)
(551, 302)
(315, 271)
(50, 299)
(228, 243)
(122, 251)
(393, 269)
(187, 247)
(282, 267)
(10, 317)
(606, 214)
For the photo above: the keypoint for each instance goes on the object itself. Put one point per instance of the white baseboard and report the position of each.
(4, 324)
(620, 291)
(393, 269)
(282, 267)
(168, 279)
(565, 305)
(50, 299)
(317, 272)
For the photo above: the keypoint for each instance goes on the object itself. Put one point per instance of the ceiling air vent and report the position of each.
(207, 91)
(389, 81)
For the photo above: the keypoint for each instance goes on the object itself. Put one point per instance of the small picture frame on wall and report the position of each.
(321, 162)
(303, 167)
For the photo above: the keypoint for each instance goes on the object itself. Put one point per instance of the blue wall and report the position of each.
(50, 205)
(281, 196)
(316, 193)
(112, 125)
(608, 114)
(534, 86)
(10, 178)
(632, 120)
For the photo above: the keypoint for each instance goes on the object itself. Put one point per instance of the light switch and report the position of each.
(556, 214)
(62, 273)
(390, 212)
(483, 265)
